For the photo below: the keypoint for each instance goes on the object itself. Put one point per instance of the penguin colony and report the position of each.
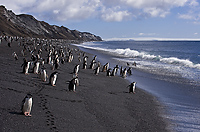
(57, 54)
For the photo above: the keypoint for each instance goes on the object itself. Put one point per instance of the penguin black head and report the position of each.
(28, 95)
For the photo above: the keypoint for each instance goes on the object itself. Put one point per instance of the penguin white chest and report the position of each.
(53, 79)
(44, 75)
(27, 105)
(27, 67)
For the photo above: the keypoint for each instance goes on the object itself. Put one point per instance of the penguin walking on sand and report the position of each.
(76, 69)
(109, 72)
(85, 65)
(73, 83)
(15, 56)
(92, 64)
(114, 71)
(57, 63)
(105, 67)
(27, 105)
(36, 67)
(129, 71)
(26, 66)
(53, 77)
(124, 73)
(132, 87)
(43, 75)
(97, 70)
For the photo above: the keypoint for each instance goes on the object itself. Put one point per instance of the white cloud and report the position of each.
(108, 10)
(193, 13)
(147, 34)
(186, 16)
(115, 14)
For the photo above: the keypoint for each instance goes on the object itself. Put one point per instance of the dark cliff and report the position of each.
(27, 26)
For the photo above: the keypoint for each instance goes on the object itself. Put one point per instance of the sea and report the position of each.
(169, 70)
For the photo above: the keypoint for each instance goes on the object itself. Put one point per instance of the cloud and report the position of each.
(107, 10)
(193, 13)
(147, 34)
(115, 14)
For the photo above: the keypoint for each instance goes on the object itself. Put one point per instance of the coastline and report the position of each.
(101, 103)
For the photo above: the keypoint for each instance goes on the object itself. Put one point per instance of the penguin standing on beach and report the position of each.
(105, 67)
(132, 87)
(57, 63)
(85, 65)
(114, 71)
(124, 73)
(97, 70)
(53, 78)
(15, 56)
(92, 64)
(129, 71)
(76, 69)
(43, 75)
(26, 66)
(27, 105)
(109, 72)
(73, 83)
(36, 67)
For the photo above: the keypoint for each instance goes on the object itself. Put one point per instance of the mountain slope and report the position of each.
(27, 26)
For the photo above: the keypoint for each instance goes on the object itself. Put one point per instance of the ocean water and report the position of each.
(169, 70)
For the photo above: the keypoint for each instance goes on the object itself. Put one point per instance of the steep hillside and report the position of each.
(27, 26)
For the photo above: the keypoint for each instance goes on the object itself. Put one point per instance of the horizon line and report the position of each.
(152, 39)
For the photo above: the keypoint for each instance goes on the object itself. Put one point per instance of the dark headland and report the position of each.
(100, 103)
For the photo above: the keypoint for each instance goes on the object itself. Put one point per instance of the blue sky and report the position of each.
(118, 19)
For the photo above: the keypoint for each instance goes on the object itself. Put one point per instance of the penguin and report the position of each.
(26, 66)
(36, 67)
(127, 64)
(105, 67)
(108, 72)
(53, 78)
(49, 59)
(92, 64)
(15, 56)
(9, 44)
(132, 87)
(57, 63)
(129, 71)
(85, 58)
(85, 65)
(43, 75)
(97, 70)
(76, 69)
(79, 58)
(27, 105)
(73, 83)
(95, 57)
(114, 71)
(124, 73)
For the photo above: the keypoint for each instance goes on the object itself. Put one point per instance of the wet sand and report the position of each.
(100, 103)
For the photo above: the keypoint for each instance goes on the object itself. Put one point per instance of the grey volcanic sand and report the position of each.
(100, 103)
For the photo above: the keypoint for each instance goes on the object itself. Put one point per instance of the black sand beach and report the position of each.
(100, 103)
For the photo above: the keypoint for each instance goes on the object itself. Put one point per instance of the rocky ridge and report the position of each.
(25, 25)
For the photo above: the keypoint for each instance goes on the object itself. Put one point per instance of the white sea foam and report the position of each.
(129, 53)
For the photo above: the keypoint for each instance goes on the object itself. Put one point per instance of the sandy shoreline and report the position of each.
(100, 103)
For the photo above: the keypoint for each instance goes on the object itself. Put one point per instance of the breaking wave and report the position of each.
(129, 53)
